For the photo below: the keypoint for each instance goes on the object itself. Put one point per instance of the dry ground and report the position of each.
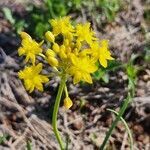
(27, 117)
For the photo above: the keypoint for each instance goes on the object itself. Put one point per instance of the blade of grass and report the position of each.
(29, 145)
(121, 112)
(126, 126)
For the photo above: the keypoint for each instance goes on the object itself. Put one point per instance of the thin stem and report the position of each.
(121, 112)
(55, 112)
(66, 91)
(127, 128)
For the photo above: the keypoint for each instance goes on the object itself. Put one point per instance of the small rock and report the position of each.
(78, 124)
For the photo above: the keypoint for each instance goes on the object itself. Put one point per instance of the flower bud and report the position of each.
(56, 47)
(67, 103)
(50, 52)
(52, 61)
(49, 36)
(63, 48)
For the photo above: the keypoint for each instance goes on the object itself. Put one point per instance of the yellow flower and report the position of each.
(67, 103)
(32, 77)
(101, 52)
(81, 68)
(29, 47)
(84, 33)
(62, 26)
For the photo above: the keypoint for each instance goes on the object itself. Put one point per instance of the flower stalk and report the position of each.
(55, 112)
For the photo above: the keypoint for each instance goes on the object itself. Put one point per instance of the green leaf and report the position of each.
(40, 29)
(8, 15)
(19, 25)
(132, 71)
(113, 65)
(147, 54)
(3, 138)
(29, 145)
(105, 78)
(98, 74)
(101, 74)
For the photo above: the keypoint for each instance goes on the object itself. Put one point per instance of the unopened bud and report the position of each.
(49, 36)
(52, 61)
(56, 47)
(67, 103)
(50, 52)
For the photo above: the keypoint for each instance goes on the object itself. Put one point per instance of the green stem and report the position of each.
(66, 91)
(121, 112)
(55, 112)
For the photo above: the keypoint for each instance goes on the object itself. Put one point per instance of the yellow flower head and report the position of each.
(84, 33)
(81, 68)
(67, 103)
(101, 52)
(72, 51)
(29, 47)
(32, 77)
(62, 26)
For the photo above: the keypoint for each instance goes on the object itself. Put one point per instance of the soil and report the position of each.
(27, 117)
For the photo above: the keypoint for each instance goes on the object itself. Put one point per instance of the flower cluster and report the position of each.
(72, 51)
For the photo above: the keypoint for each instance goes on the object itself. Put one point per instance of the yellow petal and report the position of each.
(21, 51)
(74, 59)
(92, 68)
(21, 74)
(39, 86)
(28, 85)
(27, 58)
(87, 78)
(77, 77)
(110, 58)
(40, 44)
(103, 61)
(44, 79)
(32, 57)
(24, 35)
(31, 88)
